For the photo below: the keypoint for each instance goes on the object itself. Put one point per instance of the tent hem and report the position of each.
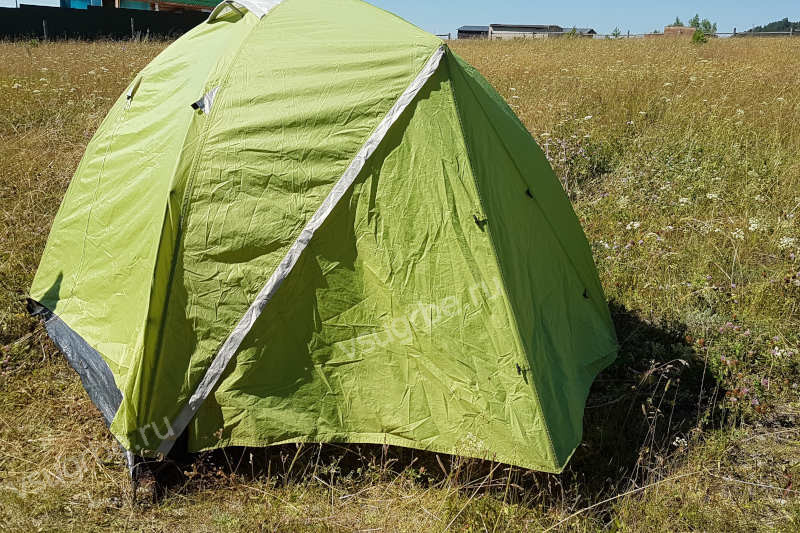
(95, 374)
(379, 438)
(594, 370)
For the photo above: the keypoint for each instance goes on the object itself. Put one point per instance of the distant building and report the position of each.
(473, 32)
(585, 32)
(534, 31)
(40, 3)
(517, 31)
(678, 31)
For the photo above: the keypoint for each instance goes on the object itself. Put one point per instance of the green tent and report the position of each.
(310, 221)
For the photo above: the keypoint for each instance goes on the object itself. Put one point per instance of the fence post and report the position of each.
(44, 28)
(629, 34)
(734, 32)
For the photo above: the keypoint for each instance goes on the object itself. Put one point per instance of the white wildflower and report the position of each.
(684, 201)
(633, 225)
(755, 225)
(712, 196)
(787, 242)
(588, 117)
(738, 234)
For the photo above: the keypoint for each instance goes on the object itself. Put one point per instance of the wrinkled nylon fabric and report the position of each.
(402, 322)
(556, 296)
(385, 332)
(234, 340)
(97, 270)
(290, 115)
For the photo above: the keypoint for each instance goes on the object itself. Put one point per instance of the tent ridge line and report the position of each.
(237, 336)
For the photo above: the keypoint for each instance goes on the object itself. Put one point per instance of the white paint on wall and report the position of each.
(45, 3)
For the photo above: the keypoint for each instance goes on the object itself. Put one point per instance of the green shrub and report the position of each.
(699, 37)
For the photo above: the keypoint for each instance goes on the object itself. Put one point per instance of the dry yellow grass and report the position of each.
(683, 162)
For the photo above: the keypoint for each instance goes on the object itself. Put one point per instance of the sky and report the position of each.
(638, 16)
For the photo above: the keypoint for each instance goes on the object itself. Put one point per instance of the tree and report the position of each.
(781, 25)
(678, 22)
(699, 37)
(616, 33)
(705, 25)
(708, 27)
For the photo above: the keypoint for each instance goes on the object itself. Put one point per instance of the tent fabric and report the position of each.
(357, 242)
(234, 341)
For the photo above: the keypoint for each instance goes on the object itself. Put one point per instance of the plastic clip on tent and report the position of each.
(352, 238)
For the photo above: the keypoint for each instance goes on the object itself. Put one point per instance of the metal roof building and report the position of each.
(523, 31)
(473, 32)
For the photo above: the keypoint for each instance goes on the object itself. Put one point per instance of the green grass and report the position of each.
(683, 163)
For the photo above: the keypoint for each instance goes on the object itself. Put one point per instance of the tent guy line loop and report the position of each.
(481, 223)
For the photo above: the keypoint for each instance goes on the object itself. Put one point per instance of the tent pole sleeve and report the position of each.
(237, 336)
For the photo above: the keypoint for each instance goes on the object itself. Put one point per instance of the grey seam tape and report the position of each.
(231, 345)
(258, 8)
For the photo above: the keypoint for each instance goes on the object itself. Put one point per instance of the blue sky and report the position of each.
(642, 16)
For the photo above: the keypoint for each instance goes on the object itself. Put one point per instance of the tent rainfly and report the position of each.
(310, 221)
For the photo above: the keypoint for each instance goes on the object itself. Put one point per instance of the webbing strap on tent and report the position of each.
(232, 343)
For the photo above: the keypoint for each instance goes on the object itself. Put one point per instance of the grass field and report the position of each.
(683, 162)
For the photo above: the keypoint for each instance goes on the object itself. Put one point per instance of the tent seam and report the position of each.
(509, 307)
(535, 200)
(190, 181)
